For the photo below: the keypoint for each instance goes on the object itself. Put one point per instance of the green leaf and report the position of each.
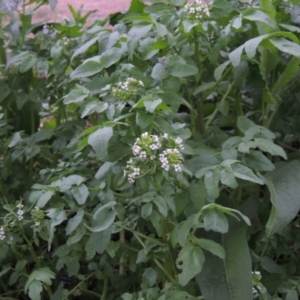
(75, 221)
(151, 105)
(181, 70)
(158, 72)
(83, 48)
(228, 279)
(270, 265)
(212, 247)
(94, 106)
(110, 57)
(44, 199)
(190, 260)
(99, 141)
(292, 295)
(35, 289)
(254, 14)
(289, 72)
(76, 95)
(161, 205)
(143, 119)
(283, 184)
(235, 55)
(216, 221)
(146, 210)
(135, 34)
(258, 161)
(270, 147)
(149, 276)
(245, 173)
(87, 68)
(286, 46)
(80, 193)
(211, 181)
(220, 69)
(227, 177)
(204, 87)
(104, 170)
(104, 217)
(43, 275)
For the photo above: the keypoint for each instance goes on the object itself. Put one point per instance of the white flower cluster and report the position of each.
(20, 211)
(132, 171)
(197, 9)
(150, 150)
(171, 157)
(128, 89)
(2, 234)
(38, 216)
(123, 36)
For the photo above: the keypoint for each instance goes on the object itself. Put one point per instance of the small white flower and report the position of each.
(143, 154)
(136, 149)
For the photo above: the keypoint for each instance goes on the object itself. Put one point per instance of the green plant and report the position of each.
(160, 159)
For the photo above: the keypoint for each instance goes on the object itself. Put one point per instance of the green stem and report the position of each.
(168, 275)
(105, 288)
(213, 115)
(199, 106)
(142, 235)
(122, 258)
(80, 283)
(35, 257)
(262, 254)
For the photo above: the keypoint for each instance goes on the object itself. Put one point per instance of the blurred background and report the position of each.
(101, 8)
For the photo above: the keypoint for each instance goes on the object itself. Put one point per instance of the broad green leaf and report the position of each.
(75, 221)
(158, 72)
(87, 68)
(104, 170)
(283, 184)
(212, 247)
(229, 278)
(149, 276)
(146, 210)
(216, 221)
(76, 95)
(220, 70)
(43, 275)
(235, 55)
(161, 205)
(110, 57)
(292, 295)
(99, 141)
(211, 181)
(257, 15)
(80, 193)
(181, 70)
(135, 34)
(83, 48)
(286, 46)
(270, 265)
(143, 119)
(94, 106)
(204, 87)
(270, 147)
(190, 260)
(103, 217)
(227, 177)
(35, 289)
(289, 72)
(258, 161)
(290, 27)
(245, 173)
(151, 105)
(44, 199)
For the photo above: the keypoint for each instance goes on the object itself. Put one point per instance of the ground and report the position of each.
(102, 7)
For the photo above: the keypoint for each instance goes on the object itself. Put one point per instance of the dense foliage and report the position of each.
(155, 158)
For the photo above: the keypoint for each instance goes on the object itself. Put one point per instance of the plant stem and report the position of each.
(105, 287)
(199, 105)
(122, 258)
(213, 115)
(80, 283)
(34, 256)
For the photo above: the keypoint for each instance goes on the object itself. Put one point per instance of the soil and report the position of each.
(101, 8)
